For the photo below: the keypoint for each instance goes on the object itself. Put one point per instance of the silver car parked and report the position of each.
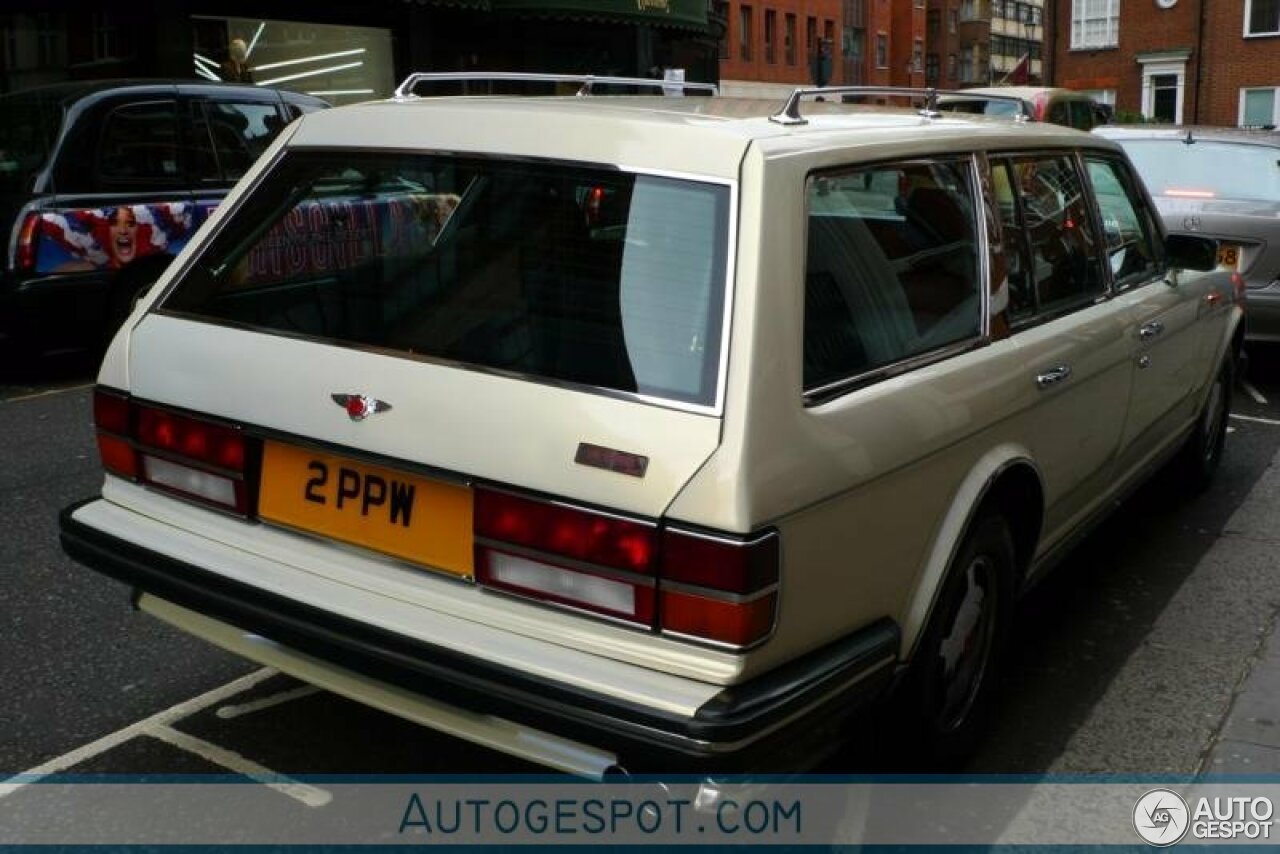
(1222, 183)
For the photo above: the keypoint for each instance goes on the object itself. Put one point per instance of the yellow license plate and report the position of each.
(411, 517)
(1228, 256)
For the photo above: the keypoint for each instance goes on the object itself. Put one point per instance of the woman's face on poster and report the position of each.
(123, 231)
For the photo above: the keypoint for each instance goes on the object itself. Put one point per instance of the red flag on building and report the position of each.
(1021, 72)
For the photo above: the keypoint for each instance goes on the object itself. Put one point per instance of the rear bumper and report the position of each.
(782, 720)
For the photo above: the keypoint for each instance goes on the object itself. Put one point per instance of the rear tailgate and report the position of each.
(463, 424)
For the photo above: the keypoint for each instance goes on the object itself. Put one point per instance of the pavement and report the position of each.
(1196, 681)
(1248, 740)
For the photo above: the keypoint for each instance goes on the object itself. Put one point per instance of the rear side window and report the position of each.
(891, 269)
(139, 142)
(229, 136)
(567, 273)
(1051, 248)
(30, 126)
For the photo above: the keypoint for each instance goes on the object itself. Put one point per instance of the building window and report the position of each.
(744, 33)
(1258, 107)
(1095, 23)
(882, 51)
(955, 15)
(790, 39)
(770, 36)
(106, 36)
(1262, 17)
(811, 36)
(952, 67)
(931, 68)
(917, 57)
(1164, 77)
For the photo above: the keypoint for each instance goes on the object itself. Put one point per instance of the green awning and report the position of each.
(671, 13)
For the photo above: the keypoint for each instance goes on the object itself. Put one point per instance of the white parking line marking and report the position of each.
(228, 712)
(1253, 392)
(48, 392)
(1254, 418)
(232, 761)
(142, 727)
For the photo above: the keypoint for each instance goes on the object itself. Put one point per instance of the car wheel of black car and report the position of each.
(132, 282)
(947, 692)
(1198, 461)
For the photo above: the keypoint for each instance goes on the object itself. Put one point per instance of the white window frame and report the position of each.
(1159, 66)
(1079, 19)
(1275, 102)
(1248, 16)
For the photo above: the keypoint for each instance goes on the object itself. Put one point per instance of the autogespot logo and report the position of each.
(1161, 817)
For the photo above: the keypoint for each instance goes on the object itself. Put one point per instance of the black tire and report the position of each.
(1199, 458)
(946, 696)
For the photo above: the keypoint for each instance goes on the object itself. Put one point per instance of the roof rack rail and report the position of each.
(586, 81)
(790, 112)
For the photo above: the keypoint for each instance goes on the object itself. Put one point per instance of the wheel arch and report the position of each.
(1005, 479)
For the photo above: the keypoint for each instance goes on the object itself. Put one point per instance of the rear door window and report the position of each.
(1052, 250)
(891, 269)
(567, 273)
(139, 145)
(229, 136)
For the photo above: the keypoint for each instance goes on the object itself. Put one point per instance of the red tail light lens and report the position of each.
(186, 455)
(212, 444)
(111, 417)
(728, 622)
(595, 538)
(719, 563)
(24, 259)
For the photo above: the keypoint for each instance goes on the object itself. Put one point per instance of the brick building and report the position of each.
(1186, 61)
(984, 42)
(772, 46)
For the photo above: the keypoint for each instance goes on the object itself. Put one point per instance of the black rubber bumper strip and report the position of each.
(829, 681)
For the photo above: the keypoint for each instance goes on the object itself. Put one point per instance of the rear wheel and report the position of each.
(947, 693)
(1198, 461)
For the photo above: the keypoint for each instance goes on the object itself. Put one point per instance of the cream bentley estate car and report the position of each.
(650, 433)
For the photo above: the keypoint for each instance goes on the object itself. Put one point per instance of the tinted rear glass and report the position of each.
(568, 273)
(27, 134)
(1207, 169)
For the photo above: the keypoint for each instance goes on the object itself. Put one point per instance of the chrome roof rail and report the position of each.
(585, 81)
(790, 112)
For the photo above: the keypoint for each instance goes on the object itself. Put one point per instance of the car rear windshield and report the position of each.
(1207, 169)
(568, 273)
(27, 134)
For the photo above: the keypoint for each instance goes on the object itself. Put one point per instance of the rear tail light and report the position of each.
(24, 259)
(190, 456)
(709, 588)
(572, 557)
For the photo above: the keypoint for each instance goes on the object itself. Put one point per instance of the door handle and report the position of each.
(1053, 376)
(1150, 330)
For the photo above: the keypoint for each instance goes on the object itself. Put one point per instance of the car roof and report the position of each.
(1258, 136)
(69, 92)
(699, 135)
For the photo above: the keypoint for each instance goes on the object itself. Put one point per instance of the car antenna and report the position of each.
(1190, 140)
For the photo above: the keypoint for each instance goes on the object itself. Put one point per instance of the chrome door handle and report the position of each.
(1053, 376)
(1150, 330)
